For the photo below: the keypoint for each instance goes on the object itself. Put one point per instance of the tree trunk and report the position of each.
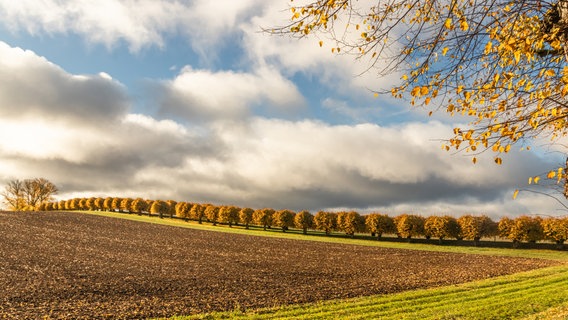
(566, 179)
(476, 241)
(562, 7)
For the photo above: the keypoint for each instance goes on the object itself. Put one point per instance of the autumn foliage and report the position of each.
(379, 224)
(528, 229)
(304, 220)
(501, 64)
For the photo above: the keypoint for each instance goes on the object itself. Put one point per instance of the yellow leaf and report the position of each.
(536, 179)
(530, 180)
(474, 160)
(415, 91)
(498, 160)
(464, 26)
(321, 43)
(448, 23)
(424, 91)
(517, 55)
(551, 174)
(444, 51)
(515, 194)
(550, 73)
(488, 47)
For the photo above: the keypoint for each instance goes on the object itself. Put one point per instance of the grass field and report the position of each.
(537, 294)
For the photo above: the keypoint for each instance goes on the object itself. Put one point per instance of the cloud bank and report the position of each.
(228, 136)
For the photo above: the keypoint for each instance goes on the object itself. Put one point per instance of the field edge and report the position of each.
(561, 256)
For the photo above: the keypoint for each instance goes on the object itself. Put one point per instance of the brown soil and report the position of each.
(69, 265)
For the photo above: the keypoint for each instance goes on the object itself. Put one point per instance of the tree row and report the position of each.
(468, 227)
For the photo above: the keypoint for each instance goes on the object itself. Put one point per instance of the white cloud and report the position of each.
(32, 86)
(202, 94)
(140, 23)
(341, 72)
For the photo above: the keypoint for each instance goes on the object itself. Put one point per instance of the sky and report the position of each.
(191, 101)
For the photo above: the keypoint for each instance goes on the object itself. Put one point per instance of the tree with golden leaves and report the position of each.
(409, 225)
(126, 205)
(171, 207)
(304, 220)
(502, 64)
(99, 203)
(379, 224)
(107, 204)
(284, 219)
(476, 227)
(72, 204)
(245, 216)
(229, 215)
(138, 206)
(555, 229)
(523, 228)
(159, 207)
(441, 227)
(183, 210)
(325, 221)
(197, 212)
(350, 222)
(90, 204)
(212, 213)
(526, 228)
(115, 204)
(82, 204)
(263, 217)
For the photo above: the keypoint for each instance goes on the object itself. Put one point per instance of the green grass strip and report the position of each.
(539, 293)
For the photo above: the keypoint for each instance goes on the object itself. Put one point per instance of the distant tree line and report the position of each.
(408, 226)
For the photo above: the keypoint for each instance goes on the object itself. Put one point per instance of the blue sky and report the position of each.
(188, 100)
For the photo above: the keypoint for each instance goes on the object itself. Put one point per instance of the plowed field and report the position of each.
(69, 265)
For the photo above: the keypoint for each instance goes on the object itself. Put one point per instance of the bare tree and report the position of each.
(28, 193)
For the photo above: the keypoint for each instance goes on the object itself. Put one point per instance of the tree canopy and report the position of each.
(501, 64)
(28, 194)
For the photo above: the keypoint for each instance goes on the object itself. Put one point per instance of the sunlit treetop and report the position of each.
(503, 64)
